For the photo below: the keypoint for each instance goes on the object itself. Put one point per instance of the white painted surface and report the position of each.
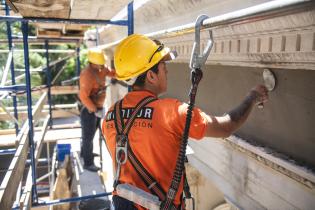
(246, 181)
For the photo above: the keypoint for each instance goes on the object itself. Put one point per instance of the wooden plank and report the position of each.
(25, 200)
(62, 90)
(12, 131)
(65, 131)
(62, 188)
(14, 174)
(48, 33)
(7, 131)
(55, 106)
(12, 118)
(94, 9)
(55, 114)
(63, 134)
(36, 112)
(39, 106)
(51, 9)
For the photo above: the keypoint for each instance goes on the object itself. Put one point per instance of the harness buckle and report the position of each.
(197, 59)
(121, 149)
(192, 202)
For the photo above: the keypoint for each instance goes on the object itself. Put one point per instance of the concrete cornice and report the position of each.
(281, 42)
(276, 41)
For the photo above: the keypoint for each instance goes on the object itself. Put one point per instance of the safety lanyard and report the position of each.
(196, 76)
(196, 62)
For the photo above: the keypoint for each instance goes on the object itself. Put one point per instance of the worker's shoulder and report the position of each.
(85, 71)
(166, 103)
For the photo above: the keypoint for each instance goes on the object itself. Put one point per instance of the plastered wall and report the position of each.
(286, 123)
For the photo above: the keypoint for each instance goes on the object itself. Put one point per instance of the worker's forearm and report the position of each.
(241, 112)
(88, 103)
(224, 126)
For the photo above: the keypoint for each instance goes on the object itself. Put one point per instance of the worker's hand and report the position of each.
(261, 94)
(94, 109)
(100, 113)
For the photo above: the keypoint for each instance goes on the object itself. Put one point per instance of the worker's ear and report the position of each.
(151, 77)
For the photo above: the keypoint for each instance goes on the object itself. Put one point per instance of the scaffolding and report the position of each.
(11, 183)
(25, 133)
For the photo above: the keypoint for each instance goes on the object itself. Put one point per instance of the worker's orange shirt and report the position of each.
(155, 137)
(89, 87)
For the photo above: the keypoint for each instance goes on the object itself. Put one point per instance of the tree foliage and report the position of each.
(37, 60)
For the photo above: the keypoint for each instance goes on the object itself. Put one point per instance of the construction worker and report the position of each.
(92, 95)
(155, 134)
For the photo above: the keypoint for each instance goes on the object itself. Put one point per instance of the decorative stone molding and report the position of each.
(281, 42)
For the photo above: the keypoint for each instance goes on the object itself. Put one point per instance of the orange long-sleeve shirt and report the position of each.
(90, 86)
(155, 137)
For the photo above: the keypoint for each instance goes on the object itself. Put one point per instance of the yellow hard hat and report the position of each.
(96, 56)
(137, 54)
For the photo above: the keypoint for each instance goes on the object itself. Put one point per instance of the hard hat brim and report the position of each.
(164, 55)
(171, 55)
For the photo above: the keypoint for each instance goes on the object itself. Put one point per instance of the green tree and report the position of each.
(37, 60)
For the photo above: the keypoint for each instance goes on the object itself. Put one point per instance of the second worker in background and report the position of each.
(92, 95)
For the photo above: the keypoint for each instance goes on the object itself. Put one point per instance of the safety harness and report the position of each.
(124, 151)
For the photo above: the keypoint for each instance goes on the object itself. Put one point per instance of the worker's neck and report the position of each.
(95, 68)
(149, 88)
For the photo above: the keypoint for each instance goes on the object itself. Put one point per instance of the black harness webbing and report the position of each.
(122, 130)
(196, 76)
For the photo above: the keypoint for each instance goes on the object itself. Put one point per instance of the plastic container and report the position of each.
(62, 151)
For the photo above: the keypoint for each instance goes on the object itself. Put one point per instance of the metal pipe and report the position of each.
(7, 151)
(272, 6)
(69, 200)
(6, 68)
(63, 20)
(40, 51)
(48, 164)
(41, 41)
(78, 61)
(44, 176)
(130, 25)
(8, 113)
(130, 19)
(97, 41)
(48, 81)
(9, 36)
(41, 161)
(29, 107)
(13, 88)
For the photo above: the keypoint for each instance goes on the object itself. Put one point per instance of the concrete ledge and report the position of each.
(249, 182)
